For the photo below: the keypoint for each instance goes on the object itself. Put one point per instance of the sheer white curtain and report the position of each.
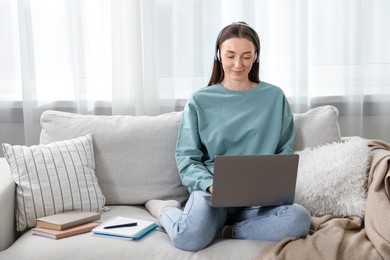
(145, 57)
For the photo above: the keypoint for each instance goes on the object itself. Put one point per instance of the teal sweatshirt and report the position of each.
(218, 121)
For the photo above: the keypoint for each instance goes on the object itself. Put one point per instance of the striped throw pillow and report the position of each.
(53, 178)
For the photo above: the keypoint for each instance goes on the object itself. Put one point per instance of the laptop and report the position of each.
(254, 180)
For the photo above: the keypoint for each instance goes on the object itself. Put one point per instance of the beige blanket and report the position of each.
(353, 237)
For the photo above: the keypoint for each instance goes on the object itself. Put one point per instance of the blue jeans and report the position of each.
(195, 227)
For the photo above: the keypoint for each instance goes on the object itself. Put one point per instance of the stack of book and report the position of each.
(66, 224)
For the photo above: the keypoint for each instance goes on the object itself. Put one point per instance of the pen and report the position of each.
(122, 225)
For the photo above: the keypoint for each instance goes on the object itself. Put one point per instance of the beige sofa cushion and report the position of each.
(134, 155)
(155, 245)
(316, 127)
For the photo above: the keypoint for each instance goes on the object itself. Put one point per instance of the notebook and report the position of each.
(133, 232)
(254, 180)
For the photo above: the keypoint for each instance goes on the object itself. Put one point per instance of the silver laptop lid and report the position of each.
(254, 180)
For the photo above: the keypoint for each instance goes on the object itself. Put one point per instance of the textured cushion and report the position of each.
(316, 127)
(53, 178)
(332, 178)
(135, 155)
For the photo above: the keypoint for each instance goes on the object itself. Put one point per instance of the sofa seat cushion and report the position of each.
(134, 155)
(155, 245)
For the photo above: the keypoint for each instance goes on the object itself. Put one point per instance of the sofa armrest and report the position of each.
(8, 232)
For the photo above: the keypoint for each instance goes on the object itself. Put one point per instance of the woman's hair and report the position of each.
(240, 30)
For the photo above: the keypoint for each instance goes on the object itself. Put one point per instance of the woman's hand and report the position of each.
(210, 189)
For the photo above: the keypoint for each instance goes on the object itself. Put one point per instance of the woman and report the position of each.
(235, 115)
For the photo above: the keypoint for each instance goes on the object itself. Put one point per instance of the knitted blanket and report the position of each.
(353, 237)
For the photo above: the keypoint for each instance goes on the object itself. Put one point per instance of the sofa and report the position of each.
(128, 160)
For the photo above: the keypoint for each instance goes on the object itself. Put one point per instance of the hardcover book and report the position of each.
(58, 234)
(67, 219)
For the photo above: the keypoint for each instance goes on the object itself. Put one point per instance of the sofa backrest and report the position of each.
(316, 127)
(135, 155)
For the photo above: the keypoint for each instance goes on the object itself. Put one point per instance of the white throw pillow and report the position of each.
(316, 127)
(53, 178)
(332, 178)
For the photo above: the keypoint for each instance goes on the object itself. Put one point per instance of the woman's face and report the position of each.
(237, 55)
